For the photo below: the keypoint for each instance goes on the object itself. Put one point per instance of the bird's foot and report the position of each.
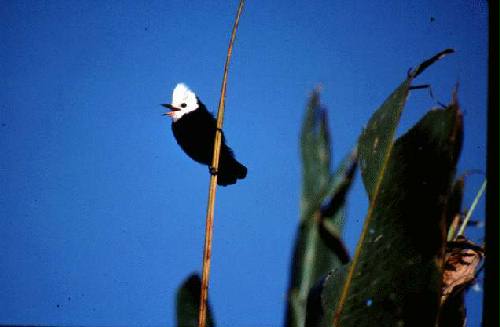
(212, 170)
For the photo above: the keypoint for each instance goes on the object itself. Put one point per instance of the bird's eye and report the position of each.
(183, 105)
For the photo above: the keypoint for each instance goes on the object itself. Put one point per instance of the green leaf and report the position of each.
(376, 141)
(323, 297)
(316, 156)
(395, 278)
(331, 221)
(375, 149)
(318, 246)
(188, 303)
(336, 192)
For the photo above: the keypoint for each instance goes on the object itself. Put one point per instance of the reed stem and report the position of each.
(202, 314)
(471, 209)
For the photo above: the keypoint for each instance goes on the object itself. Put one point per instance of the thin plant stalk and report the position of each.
(202, 314)
(472, 207)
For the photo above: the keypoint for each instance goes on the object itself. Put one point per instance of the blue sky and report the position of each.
(102, 215)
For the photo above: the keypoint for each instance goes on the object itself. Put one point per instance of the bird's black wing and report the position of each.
(211, 129)
(195, 133)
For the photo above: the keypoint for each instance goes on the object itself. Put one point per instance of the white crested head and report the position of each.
(183, 101)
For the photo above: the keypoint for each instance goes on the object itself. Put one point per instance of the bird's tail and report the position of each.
(230, 171)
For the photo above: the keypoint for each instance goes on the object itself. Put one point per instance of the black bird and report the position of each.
(194, 129)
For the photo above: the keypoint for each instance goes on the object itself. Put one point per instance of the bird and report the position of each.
(194, 129)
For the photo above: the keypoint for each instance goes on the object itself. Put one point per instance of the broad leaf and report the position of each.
(397, 277)
(316, 156)
(376, 156)
(376, 141)
(323, 297)
(318, 246)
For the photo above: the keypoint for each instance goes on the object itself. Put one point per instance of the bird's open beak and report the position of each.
(172, 109)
